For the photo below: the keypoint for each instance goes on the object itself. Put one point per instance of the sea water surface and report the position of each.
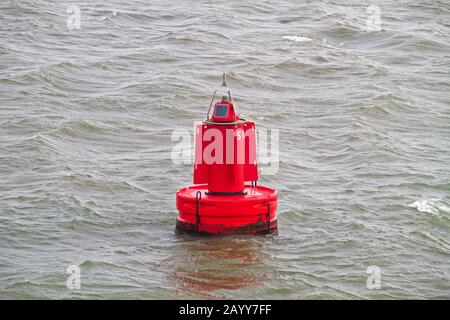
(361, 102)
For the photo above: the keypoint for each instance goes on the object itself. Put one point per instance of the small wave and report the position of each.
(297, 38)
(432, 206)
(82, 127)
(125, 15)
(375, 109)
(102, 182)
(343, 30)
(292, 64)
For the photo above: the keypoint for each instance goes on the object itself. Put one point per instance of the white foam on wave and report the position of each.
(297, 38)
(432, 206)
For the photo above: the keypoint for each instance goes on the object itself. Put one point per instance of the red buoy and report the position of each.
(221, 202)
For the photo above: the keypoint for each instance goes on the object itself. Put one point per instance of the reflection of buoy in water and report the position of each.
(225, 158)
(218, 268)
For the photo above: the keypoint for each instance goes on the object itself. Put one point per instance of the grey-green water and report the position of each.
(86, 118)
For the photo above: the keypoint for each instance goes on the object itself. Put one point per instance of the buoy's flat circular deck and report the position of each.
(248, 213)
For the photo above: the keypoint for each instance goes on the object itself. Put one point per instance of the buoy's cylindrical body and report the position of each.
(225, 156)
(226, 172)
(226, 178)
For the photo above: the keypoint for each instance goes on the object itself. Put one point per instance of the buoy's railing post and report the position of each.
(268, 215)
(210, 105)
(198, 196)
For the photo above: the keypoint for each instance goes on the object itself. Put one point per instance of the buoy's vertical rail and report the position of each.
(198, 196)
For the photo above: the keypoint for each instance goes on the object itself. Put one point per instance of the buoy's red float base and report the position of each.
(252, 212)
